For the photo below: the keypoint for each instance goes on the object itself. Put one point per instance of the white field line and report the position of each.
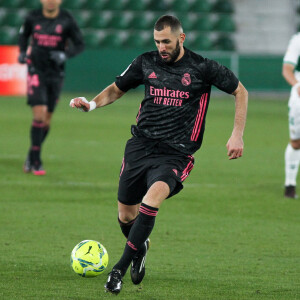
(57, 184)
(86, 183)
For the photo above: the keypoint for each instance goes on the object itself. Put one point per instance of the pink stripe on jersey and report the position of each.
(35, 148)
(199, 118)
(202, 117)
(148, 211)
(138, 115)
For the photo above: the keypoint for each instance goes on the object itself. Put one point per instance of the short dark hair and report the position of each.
(168, 21)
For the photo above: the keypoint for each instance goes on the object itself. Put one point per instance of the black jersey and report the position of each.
(176, 98)
(48, 35)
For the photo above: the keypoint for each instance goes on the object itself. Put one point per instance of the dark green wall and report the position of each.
(262, 73)
(93, 70)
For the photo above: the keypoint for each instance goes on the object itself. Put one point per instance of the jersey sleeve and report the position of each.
(293, 51)
(221, 77)
(77, 44)
(132, 77)
(24, 34)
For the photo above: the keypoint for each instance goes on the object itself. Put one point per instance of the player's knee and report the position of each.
(48, 118)
(47, 123)
(156, 194)
(127, 213)
(126, 217)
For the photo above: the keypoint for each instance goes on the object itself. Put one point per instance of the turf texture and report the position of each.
(230, 234)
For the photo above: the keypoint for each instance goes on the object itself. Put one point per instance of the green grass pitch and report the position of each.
(230, 234)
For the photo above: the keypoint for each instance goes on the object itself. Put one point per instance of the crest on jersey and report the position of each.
(58, 29)
(186, 79)
(37, 27)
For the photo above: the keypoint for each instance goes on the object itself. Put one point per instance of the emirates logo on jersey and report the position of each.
(37, 27)
(186, 79)
(58, 29)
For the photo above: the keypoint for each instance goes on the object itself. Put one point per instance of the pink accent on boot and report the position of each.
(39, 172)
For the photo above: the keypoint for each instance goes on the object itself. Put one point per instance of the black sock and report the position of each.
(126, 227)
(36, 134)
(140, 231)
(45, 132)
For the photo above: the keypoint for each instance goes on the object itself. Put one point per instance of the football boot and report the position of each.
(290, 192)
(137, 271)
(38, 171)
(27, 165)
(114, 282)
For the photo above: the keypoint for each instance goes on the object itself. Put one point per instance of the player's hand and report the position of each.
(298, 90)
(22, 58)
(80, 103)
(235, 147)
(59, 57)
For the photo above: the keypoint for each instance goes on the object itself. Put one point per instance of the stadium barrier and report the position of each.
(12, 74)
(93, 70)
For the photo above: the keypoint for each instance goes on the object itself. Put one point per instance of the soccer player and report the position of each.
(54, 37)
(290, 72)
(170, 128)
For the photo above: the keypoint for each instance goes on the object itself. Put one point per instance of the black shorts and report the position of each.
(43, 90)
(142, 167)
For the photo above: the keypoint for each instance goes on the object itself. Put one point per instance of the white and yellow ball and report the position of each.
(89, 258)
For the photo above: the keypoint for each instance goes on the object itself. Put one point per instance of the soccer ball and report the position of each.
(89, 258)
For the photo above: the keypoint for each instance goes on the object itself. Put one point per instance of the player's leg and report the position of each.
(164, 180)
(132, 188)
(292, 152)
(173, 174)
(33, 160)
(138, 265)
(132, 185)
(127, 217)
(36, 98)
(139, 233)
(37, 130)
(292, 159)
(144, 223)
(47, 125)
(54, 87)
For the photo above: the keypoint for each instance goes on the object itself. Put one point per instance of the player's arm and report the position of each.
(225, 80)
(109, 95)
(235, 144)
(290, 61)
(289, 76)
(74, 44)
(24, 34)
(77, 44)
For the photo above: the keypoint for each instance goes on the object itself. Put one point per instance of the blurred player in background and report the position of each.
(291, 74)
(170, 128)
(54, 37)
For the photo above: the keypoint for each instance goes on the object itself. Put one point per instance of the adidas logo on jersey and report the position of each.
(152, 75)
